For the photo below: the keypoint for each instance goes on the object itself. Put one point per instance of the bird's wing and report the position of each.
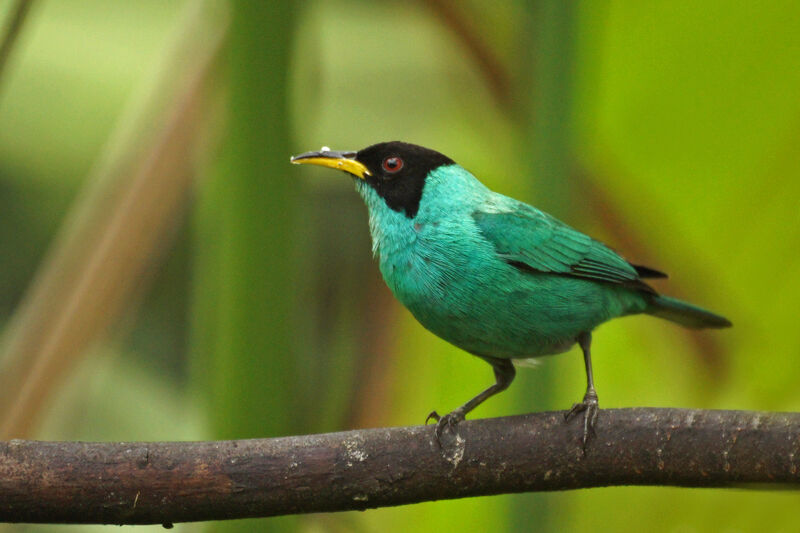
(532, 240)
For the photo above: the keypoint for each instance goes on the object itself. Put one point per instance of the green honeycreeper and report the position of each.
(490, 274)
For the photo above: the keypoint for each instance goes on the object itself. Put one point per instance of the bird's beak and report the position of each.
(339, 160)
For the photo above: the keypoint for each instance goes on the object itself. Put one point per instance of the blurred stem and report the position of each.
(244, 339)
(547, 127)
(453, 16)
(11, 32)
(113, 232)
(544, 95)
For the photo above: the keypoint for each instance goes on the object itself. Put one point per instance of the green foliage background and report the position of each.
(667, 129)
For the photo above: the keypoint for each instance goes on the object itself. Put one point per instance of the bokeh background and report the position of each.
(167, 275)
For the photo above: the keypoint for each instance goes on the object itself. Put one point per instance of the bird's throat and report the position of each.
(392, 231)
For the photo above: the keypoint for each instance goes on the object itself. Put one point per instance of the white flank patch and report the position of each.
(531, 362)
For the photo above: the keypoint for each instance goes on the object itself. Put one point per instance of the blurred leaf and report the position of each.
(111, 235)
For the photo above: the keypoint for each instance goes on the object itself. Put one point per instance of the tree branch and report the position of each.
(145, 483)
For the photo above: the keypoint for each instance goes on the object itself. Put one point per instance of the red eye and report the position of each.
(392, 164)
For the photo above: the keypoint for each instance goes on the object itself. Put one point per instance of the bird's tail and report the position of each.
(685, 314)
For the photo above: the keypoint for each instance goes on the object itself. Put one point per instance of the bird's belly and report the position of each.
(504, 329)
(499, 311)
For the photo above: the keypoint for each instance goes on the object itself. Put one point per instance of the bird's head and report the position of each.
(396, 170)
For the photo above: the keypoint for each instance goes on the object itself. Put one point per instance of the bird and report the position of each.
(494, 276)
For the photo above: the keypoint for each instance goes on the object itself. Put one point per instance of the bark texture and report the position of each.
(166, 482)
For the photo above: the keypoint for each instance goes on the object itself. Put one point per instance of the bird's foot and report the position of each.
(448, 421)
(589, 407)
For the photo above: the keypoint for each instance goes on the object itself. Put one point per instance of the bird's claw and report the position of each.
(589, 407)
(449, 421)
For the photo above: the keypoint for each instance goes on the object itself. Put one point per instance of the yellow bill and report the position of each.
(333, 159)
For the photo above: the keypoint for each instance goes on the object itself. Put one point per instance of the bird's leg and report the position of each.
(504, 373)
(589, 405)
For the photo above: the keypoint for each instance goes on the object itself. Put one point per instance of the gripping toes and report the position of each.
(589, 407)
(449, 421)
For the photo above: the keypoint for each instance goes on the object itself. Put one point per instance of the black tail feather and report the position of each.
(647, 272)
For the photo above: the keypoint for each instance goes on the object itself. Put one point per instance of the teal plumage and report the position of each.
(443, 266)
(490, 274)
